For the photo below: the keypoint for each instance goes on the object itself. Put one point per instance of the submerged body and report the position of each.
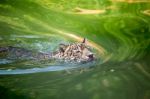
(76, 52)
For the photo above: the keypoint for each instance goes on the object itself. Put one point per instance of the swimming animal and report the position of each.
(74, 52)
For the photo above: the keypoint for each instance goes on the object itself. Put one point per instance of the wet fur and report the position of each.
(76, 52)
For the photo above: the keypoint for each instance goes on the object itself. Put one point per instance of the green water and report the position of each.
(118, 31)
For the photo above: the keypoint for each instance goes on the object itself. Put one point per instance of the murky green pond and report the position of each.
(118, 31)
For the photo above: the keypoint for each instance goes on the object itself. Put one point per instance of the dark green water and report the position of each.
(119, 31)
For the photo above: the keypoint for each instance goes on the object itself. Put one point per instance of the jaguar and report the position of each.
(73, 52)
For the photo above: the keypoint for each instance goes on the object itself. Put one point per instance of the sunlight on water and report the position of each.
(131, 1)
(147, 12)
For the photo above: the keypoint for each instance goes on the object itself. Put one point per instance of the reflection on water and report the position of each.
(118, 31)
(147, 12)
(131, 1)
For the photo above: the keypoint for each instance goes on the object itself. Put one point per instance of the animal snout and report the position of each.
(90, 56)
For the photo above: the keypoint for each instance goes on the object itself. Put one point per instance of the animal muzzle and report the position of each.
(90, 57)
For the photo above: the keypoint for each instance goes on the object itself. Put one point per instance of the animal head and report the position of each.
(77, 51)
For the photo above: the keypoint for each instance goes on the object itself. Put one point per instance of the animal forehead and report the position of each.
(76, 46)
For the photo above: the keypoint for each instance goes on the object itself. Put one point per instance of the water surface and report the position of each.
(117, 30)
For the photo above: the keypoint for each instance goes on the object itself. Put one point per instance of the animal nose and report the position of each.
(90, 56)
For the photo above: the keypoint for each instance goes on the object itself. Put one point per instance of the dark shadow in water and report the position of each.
(6, 93)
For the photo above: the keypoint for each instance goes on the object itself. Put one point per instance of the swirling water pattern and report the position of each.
(118, 30)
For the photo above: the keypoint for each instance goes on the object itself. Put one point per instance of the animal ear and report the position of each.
(84, 40)
(82, 46)
(62, 47)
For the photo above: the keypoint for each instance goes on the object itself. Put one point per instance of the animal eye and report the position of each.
(78, 51)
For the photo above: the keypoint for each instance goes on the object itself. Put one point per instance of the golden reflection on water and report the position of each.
(131, 1)
(146, 12)
(88, 11)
